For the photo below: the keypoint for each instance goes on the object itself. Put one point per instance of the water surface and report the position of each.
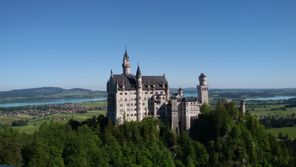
(56, 101)
(272, 98)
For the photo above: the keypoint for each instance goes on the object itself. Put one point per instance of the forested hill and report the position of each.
(219, 137)
(45, 93)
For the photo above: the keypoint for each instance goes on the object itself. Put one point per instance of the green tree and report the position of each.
(205, 108)
(11, 143)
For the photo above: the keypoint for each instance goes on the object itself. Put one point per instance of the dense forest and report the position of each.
(220, 137)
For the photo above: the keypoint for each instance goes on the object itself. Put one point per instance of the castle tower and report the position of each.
(180, 92)
(126, 66)
(202, 88)
(243, 106)
(139, 94)
(167, 90)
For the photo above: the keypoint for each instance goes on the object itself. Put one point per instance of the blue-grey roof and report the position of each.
(129, 82)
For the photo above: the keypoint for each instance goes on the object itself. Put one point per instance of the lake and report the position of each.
(272, 98)
(62, 101)
(56, 101)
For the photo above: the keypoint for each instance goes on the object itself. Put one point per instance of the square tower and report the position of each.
(203, 89)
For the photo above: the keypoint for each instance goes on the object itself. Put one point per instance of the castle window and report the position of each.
(125, 93)
(146, 93)
(120, 93)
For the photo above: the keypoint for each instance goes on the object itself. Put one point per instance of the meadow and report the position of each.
(290, 131)
(274, 109)
(34, 122)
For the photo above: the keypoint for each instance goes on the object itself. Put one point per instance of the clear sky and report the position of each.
(75, 43)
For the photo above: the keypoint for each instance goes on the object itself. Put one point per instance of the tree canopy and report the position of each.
(215, 139)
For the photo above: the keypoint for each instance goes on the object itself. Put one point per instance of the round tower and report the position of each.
(139, 94)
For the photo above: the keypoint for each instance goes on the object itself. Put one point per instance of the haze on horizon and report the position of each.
(75, 44)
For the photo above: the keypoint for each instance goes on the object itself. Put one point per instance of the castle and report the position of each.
(135, 97)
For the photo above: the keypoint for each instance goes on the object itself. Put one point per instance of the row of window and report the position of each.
(121, 93)
(130, 104)
(126, 93)
(135, 114)
(191, 103)
(131, 109)
(145, 98)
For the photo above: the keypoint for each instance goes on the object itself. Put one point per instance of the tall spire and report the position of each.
(126, 55)
(139, 74)
(126, 66)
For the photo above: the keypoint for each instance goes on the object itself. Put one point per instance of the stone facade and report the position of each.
(135, 97)
(242, 107)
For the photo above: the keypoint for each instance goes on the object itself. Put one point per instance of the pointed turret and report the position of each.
(126, 66)
(139, 74)
(125, 55)
(111, 75)
(140, 110)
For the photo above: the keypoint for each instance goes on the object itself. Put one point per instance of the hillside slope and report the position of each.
(45, 93)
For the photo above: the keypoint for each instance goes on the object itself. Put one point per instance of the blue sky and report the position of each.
(238, 44)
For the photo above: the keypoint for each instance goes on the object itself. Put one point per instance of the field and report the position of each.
(274, 109)
(34, 123)
(291, 131)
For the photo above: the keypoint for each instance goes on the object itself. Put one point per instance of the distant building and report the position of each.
(135, 97)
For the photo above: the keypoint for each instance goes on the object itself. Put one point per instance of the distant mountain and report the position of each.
(50, 93)
(46, 93)
(242, 93)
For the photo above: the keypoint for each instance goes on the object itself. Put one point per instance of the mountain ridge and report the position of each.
(45, 93)
(49, 93)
